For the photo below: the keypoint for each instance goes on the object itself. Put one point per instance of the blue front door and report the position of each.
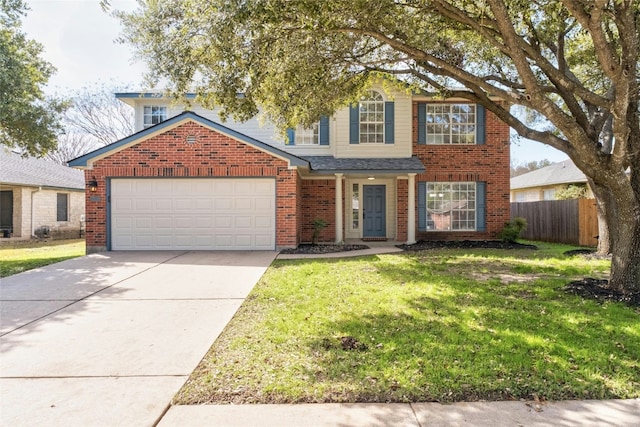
(374, 214)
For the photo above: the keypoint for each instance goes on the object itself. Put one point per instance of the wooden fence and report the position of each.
(573, 222)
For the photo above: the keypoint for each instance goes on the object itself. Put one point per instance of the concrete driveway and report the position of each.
(108, 339)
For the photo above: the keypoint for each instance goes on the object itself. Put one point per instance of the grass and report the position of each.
(439, 325)
(22, 256)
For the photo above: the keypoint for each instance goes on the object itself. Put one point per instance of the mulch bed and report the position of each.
(597, 289)
(464, 244)
(323, 249)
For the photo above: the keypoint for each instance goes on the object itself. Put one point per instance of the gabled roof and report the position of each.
(564, 172)
(85, 162)
(32, 172)
(329, 164)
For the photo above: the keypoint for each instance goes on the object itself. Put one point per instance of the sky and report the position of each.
(79, 39)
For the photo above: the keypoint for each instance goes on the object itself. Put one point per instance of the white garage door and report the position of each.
(191, 213)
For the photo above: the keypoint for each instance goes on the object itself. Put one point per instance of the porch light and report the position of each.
(93, 185)
(371, 178)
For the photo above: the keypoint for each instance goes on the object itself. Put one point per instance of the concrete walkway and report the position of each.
(592, 413)
(108, 339)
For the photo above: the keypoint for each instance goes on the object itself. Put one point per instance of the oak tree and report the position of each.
(573, 64)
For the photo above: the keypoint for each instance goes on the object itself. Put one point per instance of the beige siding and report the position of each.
(254, 127)
(402, 127)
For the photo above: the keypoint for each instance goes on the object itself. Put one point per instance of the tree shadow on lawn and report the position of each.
(477, 341)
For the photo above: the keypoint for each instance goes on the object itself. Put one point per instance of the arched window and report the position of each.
(372, 118)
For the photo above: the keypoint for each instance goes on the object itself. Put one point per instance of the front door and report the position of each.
(374, 213)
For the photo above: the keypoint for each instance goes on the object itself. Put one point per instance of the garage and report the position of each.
(192, 213)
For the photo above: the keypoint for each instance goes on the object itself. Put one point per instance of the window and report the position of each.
(450, 206)
(355, 207)
(451, 124)
(62, 211)
(154, 115)
(372, 119)
(308, 136)
(549, 194)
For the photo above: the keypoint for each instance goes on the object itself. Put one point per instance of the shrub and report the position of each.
(319, 224)
(512, 229)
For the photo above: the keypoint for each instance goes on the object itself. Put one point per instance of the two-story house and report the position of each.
(397, 166)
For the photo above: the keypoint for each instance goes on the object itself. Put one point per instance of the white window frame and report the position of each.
(371, 118)
(153, 114)
(451, 124)
(445, 211)
(308, 136)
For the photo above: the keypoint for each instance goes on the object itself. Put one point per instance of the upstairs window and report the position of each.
(372, 118)
(154, 115)
(451, 124)
(308, 136)
(317, 134)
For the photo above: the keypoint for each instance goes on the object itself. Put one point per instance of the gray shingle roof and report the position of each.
(16, 170)
(564, 172)
(373, 165)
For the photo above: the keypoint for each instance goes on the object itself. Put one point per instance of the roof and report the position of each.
(29, 171)
(329, 164)
(86, 161)
(564, 172)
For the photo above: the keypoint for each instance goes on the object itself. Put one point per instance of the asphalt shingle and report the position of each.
(18, 170)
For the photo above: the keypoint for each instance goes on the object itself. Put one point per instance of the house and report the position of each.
(385, 169)
(39, 198)
(544, 183)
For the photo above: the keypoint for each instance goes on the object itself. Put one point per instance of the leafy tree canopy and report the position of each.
(572, 64)
(28, 120)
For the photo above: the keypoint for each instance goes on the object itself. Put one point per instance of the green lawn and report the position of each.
(438, 325)
(22, 256)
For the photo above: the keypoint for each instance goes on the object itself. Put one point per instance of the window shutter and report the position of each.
(291, 137)
(324, 130)
(480, 124)
(422, 124)
(422, 206)
(354, 124)
(389, 121)
(481, 206)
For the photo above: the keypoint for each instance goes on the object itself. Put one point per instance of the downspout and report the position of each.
(33, 213)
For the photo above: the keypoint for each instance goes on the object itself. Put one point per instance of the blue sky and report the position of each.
(79, 40)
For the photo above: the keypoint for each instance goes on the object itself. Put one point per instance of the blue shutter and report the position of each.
(422, 124)
(291, 137)
(354, 124)
(389, 121)
(480, 124)
(422, 206)
(481, 206)
(324, 130)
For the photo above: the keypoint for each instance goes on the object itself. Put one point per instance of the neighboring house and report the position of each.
(544, 183)
(395, 167)
(39, 198)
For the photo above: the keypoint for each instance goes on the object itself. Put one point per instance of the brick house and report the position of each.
(395, 167)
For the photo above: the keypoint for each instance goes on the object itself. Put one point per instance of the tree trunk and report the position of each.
(604, 239)
(623, 212)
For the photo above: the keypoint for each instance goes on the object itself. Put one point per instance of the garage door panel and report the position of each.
(223, 214)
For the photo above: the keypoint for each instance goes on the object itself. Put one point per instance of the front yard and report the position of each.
(437, 325)
(20, 256)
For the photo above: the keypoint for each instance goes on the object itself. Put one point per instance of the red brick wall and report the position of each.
(319, 202)
(402, 208)
(488, 162)
(213, 155)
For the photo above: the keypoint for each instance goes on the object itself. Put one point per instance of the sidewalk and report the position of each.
(593, 413)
